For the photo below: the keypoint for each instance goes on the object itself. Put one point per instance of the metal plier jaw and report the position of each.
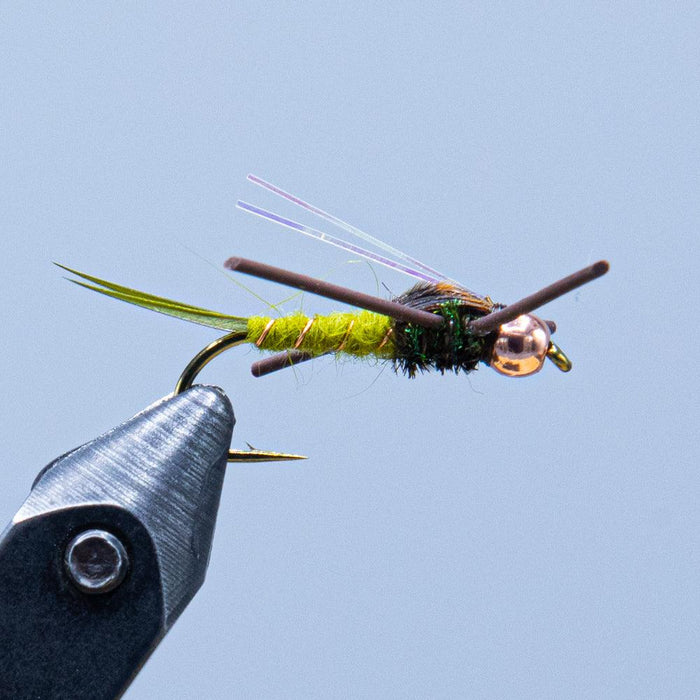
(109, 548)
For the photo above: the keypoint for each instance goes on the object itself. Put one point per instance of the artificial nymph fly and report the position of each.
(438, 324)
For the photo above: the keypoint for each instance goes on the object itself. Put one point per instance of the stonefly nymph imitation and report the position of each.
(437, 324)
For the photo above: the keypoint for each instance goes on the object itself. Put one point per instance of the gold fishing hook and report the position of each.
(195, 366)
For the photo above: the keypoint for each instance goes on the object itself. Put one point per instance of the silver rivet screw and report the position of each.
(96, 561)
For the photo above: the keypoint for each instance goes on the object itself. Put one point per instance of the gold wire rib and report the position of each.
(385, 340)
(266, 330)
(195, 366)
(342, 345)
(303, 333)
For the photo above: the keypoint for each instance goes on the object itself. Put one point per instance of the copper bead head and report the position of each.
(521, 346)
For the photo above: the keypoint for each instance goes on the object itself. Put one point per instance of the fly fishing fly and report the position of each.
(437, 324)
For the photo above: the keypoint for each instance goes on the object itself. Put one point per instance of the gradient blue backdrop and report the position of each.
(450, 537)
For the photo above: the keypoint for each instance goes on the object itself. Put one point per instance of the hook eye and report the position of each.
(558, 357)
(197, 364)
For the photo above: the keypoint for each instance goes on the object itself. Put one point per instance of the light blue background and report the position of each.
(449, 537)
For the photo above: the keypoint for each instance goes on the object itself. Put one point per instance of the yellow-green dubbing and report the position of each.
(327, 334)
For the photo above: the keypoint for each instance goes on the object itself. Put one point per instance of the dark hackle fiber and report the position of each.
(453, 347)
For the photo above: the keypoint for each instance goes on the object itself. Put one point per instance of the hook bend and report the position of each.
(195, 366)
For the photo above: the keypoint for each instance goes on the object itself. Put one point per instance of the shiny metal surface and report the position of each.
(521, 346)
(558, 357)
(153, 483)
(166, 466)
(96, 561)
